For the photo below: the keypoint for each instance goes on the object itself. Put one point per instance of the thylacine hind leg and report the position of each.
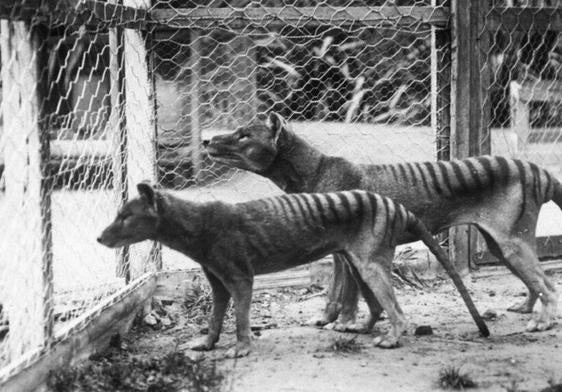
(342, 296)
(375, 271)
(518, 253)
(375, 308)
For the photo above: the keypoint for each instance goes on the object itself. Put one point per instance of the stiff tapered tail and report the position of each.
(418, 228)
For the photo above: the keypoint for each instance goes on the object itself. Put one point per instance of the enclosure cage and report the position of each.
(100, 95)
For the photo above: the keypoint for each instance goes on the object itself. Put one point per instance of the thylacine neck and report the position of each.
(184, 225)
(296, 166)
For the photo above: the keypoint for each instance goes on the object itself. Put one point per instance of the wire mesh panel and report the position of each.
(352, 77)
(66, 161)
(525, 93)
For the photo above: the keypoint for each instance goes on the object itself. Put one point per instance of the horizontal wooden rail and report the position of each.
(524, 19)
(299, 16)
(78, 12)
(89, 333)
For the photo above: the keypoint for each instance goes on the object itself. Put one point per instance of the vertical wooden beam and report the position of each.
(195, 102)
(29, 290)
(441, 87)
(140, 112)
(441, 93)
(469, 104)
(118, 132)
(459, 236)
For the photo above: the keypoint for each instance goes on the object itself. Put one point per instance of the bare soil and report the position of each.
(290, 356)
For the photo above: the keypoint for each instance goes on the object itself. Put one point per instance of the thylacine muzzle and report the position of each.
(234, 242)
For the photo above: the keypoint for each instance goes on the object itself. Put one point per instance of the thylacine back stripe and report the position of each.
(548, 188)
(474, 174)
(387, 217)
(403, 172)
(504, 169)
(332, 208)
(359, 201)
(302, 208)
(445, 174)
(523, 178)
(314, 215)
(346, 205)
(412, 173)
(424, 180)
(282, 206)
(319, 206)
(536, 181)
(293, 209)
(487, 165)
(431, 171)
(374, 207)
(460, 176)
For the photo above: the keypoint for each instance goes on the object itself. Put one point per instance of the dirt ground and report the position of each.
(290, 356)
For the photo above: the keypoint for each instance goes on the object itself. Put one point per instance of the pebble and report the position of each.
(423, 330)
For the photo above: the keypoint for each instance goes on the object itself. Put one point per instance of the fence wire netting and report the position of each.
(522, 61)
(60, 152)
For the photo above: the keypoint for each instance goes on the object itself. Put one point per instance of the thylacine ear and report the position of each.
(277, 124)
(147, 192)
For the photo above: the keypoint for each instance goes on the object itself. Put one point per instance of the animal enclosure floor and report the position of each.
(288, 356)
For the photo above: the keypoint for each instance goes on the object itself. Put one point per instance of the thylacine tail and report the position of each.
(416, 227)
(557, 193)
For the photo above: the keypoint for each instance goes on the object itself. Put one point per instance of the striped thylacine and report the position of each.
(235, 242)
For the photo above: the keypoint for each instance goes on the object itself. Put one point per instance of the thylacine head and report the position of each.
(136, 221)
(253, 147)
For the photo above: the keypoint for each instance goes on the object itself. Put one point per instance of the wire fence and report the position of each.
(97, 96)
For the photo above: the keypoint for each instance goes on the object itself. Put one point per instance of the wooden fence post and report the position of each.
(195, 61)
(469, 116)
(140, 112)
(28, 293)
(118, 132)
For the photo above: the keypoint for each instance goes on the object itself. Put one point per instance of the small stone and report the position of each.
(363, 364)
(423, 330)
(490, 314)
(492, 293)
(150, 320)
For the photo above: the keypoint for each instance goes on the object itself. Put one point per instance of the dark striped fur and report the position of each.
(235, 242)
(500, 196)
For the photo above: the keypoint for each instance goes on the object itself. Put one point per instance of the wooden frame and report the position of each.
(88, 334)
(29, 293)
(469, 117)
(298, 16)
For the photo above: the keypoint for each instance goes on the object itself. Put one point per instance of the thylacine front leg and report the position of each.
(221, 297)
(241, 291)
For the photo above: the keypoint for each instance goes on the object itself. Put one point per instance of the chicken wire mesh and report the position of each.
(524, 97)
(352, 77)
(62, 159)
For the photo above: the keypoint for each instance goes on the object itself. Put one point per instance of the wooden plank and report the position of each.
(141, 131)
(479, 137)
(87, 334)
(27, 294)
(208, 17)
(459, 236)
(118, 135)
(195, 45)
(547, 248)
(78, 12)
(524, 19)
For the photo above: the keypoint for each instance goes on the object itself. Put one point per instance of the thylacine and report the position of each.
(235, 242)
(501, 196)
